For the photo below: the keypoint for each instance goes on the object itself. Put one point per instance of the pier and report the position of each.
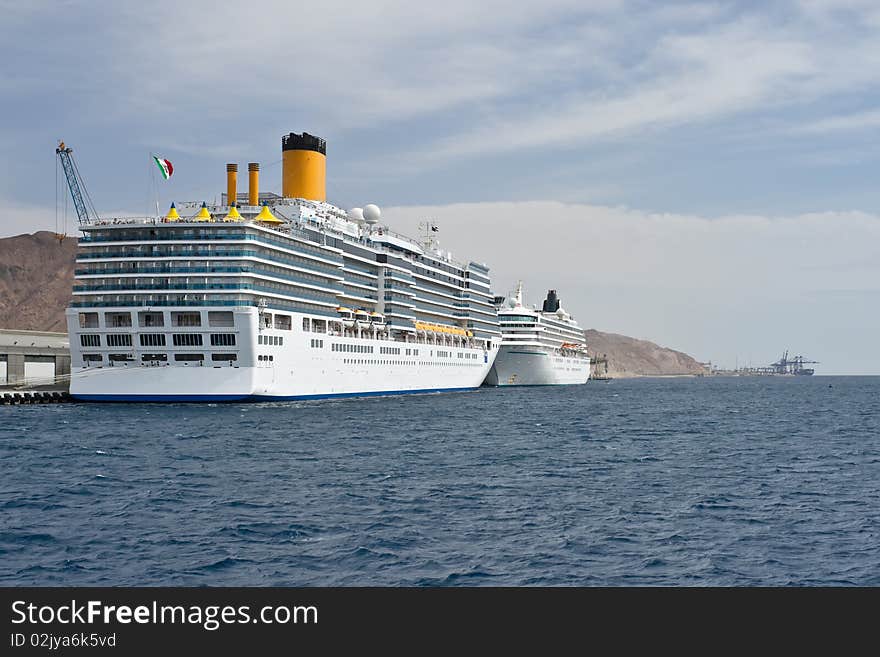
(18, 397)
(34, 359)
(34, 367)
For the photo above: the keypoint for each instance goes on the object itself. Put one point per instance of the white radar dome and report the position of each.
(356, 214)
(372, 213)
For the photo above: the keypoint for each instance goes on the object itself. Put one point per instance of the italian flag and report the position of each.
(164, 166)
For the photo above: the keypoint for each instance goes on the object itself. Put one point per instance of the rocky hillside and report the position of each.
(630, 357)
(36, 274)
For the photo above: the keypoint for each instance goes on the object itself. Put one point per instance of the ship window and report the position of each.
(88, 320)
(306, 324)
(152, 340)
(272, 358)
(121, 358)
(119, 340)
(223, 357)
(267, 320)
(186, 319)
(187, 340)
(154, 357)
(92, 358)
(282, 322)
(189, 357)
(117, 320)
(89, 340)
(220, 318)
(149, 319)
(319, 326)
(223, 339)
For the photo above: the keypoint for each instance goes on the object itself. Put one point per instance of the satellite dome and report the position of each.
(372, 214)
(356, 214)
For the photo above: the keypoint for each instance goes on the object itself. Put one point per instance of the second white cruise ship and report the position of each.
(538, 347)
(272, 297)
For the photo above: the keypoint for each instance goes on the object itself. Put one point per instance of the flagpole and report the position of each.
(154, 182)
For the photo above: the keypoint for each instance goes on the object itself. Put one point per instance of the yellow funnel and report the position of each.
(203, 214)
(233, 214)
(267, 216)
(253, 183)
(231, 183)
(172, 214)
(304, 167)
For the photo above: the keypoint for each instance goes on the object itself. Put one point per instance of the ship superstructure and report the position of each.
(538, 347)
(273, 297)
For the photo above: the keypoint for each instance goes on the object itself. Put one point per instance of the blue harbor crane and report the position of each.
(793, 365)
(85, 209)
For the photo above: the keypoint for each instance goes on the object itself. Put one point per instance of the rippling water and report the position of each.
(686, 481)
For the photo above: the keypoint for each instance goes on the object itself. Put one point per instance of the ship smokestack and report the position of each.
(304, 167)
(231, 183)
(253, 183)
(551, 303)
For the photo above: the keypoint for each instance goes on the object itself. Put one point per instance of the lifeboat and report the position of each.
(362, 317)
(377, 319)
(347, 316)
(440, 329)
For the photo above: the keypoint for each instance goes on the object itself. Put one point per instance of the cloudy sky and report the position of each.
(700, 174)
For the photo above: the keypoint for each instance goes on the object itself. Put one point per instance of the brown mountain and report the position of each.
(36, 274)
(630, 357)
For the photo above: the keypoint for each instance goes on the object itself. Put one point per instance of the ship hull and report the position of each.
(226, 384)
(518, 366)
(302, 365)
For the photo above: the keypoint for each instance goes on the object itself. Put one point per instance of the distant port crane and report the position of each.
(793, 365)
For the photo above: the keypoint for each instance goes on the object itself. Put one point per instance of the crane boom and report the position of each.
(85, 213)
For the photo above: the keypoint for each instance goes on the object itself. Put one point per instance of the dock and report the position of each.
(19, 397)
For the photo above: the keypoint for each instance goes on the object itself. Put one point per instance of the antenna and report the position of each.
(429, 226)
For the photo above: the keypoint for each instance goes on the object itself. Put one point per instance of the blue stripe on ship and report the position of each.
(255, 398)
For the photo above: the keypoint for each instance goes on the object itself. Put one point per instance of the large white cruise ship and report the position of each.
(538, 347)
(268, 297)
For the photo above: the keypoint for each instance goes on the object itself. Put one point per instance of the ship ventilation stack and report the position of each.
(551, 303)
(253, 183)
(231, 183)
(202, 214)
(267, 217)
(173, 214)
(304, 167)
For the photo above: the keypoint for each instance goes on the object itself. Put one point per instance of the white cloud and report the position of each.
(354, 63)
(842, 123)
(705, 76)
(490, 76)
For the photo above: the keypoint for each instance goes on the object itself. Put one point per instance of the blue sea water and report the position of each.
(642, 482)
